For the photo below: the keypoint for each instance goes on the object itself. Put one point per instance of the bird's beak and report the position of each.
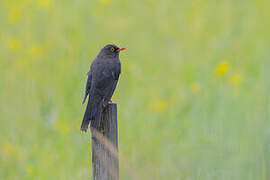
(121, 49)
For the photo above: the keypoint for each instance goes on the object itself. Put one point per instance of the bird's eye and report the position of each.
(112, 49)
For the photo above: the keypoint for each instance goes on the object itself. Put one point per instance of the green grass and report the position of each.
(178, 118)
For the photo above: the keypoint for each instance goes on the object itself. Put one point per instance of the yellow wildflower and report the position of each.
(46, 4)
(62, 127)
(222, 68)
(14, 44)
(8, 149)
(105, 2)
(29, 169)
(158, 106)
(35, 51)
(11, 150)
(14, 14)
(195, 88)
(236, 79)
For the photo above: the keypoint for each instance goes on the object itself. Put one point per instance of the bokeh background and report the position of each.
(193, 97)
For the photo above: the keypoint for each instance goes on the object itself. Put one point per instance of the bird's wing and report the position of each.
(110, 92)
(112, 85)
(88, 85)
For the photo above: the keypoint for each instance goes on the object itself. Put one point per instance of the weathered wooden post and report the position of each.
(105, 164)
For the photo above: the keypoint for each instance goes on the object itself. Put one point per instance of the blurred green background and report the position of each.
(193, 97)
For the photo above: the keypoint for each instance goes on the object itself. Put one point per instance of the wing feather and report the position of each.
(88, 86)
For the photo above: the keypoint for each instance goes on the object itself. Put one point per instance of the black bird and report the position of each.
(101, 83)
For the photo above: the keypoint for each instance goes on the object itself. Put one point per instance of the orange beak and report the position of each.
(121, 49)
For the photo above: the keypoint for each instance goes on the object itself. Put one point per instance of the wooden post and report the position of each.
(105, 164)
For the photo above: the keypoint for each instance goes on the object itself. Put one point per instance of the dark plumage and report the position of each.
(101, 83)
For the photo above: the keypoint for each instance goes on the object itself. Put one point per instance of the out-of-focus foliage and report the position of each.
(193, 98)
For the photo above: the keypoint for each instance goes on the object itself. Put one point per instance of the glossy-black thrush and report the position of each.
(101, 83)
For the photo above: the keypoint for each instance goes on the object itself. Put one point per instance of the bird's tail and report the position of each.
(92, 113)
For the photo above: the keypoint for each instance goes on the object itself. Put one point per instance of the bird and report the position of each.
(101, 83)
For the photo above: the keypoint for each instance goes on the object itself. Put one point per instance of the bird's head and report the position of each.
(111, 50)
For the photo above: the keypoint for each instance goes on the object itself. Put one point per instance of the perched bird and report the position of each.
(101, 83)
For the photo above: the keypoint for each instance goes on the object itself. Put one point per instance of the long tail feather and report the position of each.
(92, 113)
